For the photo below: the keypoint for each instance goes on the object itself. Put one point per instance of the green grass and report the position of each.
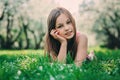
(31, 65)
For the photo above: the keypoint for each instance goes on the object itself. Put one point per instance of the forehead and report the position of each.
(61, 18)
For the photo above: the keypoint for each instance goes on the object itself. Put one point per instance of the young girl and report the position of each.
(62, 38)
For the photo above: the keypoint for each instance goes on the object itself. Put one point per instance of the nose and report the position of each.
(66, 27)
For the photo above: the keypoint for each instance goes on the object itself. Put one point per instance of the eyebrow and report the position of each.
(58, 25)
(68, 19)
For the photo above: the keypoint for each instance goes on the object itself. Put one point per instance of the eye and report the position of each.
(68, 22)
(59, 26)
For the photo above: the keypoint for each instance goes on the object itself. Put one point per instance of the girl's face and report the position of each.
(64, 26)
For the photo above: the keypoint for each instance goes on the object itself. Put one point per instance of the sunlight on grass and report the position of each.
(21, 52)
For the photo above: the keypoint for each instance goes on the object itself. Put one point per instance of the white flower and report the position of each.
(71, 70)
(51, 77)
(61, 68)
(19, 72)
(40, 68)
(80, 70)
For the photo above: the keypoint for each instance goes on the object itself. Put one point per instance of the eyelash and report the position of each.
(59, 26)
(68, 22)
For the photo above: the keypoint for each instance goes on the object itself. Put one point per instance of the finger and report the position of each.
(56, 34)
(53, 33)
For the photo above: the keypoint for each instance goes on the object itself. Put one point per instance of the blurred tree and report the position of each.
(21, 27)
(38, 34)
(32, 33)
(106, 23)
(107, 26)
(7, 17)
(25, 26)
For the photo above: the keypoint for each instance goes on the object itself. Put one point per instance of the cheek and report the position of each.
(59, 31)
(62, 33)
(73, 28)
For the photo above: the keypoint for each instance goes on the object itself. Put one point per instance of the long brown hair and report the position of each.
(51, 44)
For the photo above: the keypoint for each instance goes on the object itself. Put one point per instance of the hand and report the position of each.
(91, 55)
(55, 34)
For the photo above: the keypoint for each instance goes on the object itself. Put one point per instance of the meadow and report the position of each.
(32, 65)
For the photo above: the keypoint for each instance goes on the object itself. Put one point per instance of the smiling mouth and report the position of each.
(68, 33)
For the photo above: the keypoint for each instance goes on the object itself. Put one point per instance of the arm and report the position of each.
(81, 50)
(63, 47)
(62, 53)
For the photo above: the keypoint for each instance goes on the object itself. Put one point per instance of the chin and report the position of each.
(69, 37)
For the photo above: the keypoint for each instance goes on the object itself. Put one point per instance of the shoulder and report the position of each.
(82, 38)
(82, 48)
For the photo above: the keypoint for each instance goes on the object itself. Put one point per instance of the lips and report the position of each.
(68, 33)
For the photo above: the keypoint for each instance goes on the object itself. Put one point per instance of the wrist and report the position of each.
(64, 43)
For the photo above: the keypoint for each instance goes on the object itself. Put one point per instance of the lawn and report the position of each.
(32, 65)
